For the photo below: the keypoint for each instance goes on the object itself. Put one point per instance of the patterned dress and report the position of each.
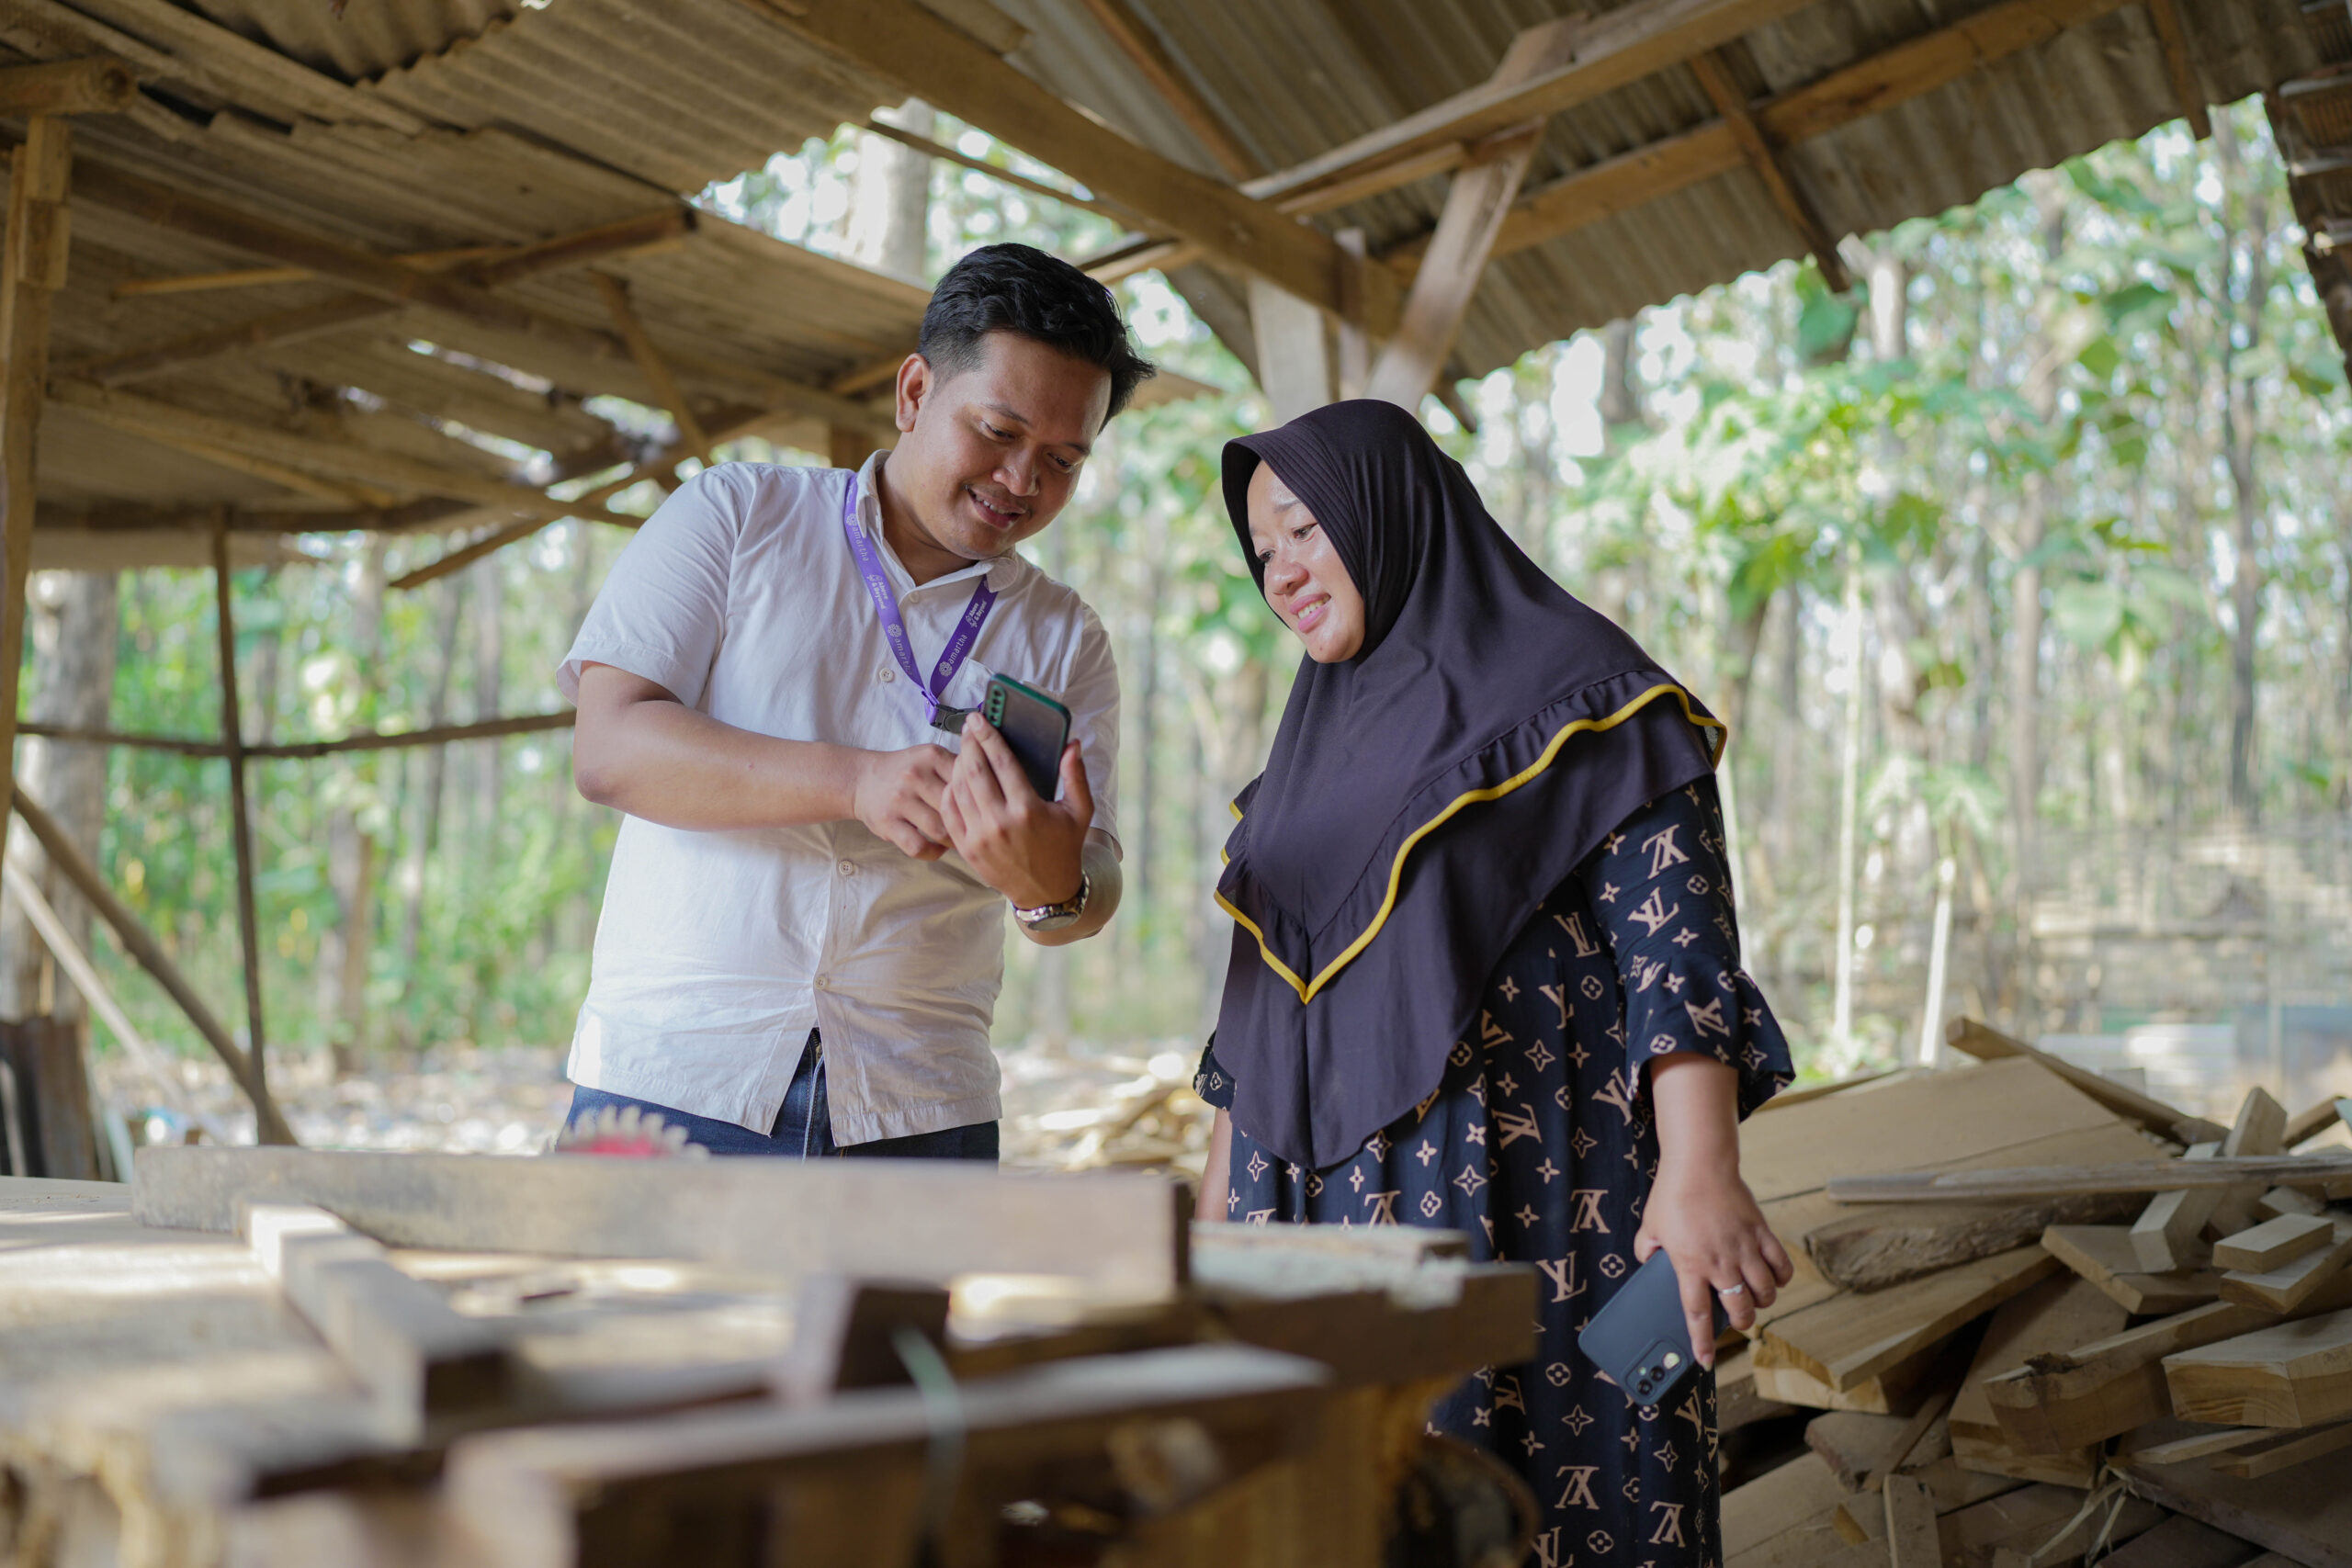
(1540, 1144)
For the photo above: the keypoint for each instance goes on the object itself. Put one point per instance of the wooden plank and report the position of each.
(2033, 1519)
(880, 1219)
(2276, 1453)
(2201, 1441)
(1797, 1498)
(2173, 39)
(2313, 1119)
(1988, 1044)
(2272, 1243)
(2052, 1181)
(2180, 1542)
(1617, 48)
(66, 856)
(2103, 1256)
(906, 44)
(2293, 1374)
(1849, 1339)
(2304, 1513)
(1294, 366)
(1475, 204)
(32, 268)
(1738, 1402)
(1911, 1538)
(1896, 1392)
(650, 363)
(1717, 81)
(99, 84)
(299, 324)
(2290, 1284)
(670, 1485)
(2169, 1233)
(402, 1341)
(1966, 1119)
(2053, 1317)
(1887, 1246)
(1853, 1444)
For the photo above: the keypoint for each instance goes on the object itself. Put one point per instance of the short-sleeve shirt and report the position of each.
(718, 952)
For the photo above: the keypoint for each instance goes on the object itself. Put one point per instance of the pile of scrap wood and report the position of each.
(2050, 1320)
(288, 1358)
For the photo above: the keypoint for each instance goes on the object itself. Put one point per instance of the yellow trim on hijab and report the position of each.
(1307, 991)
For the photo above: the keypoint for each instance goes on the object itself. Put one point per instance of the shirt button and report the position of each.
(848, 868)
(885, 675)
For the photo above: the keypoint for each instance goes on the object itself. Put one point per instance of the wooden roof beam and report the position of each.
(1723, 90)
(338, 314)
(2173, 39)
(650, 364)
(1868, 88)
(903, 41)
(1617, 50)
(98, 84)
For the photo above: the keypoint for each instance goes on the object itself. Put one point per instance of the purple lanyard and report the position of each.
(894, 626)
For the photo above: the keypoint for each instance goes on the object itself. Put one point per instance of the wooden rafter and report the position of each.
(1717, 81)
(99, 84)
(2173, 39)
(240, 825)
(338, 314)
(175, 426)
(1868, 88)
(1475, 205)
(1135, 39)
(650, 364)
(905, 42)
(1618, 48)
(875, 126)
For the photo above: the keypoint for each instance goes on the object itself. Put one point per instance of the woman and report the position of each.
(1484, 972)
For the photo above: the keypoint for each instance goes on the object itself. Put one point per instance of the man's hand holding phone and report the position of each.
(1027, 848)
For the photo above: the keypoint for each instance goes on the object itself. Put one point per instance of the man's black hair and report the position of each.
(1018, 288)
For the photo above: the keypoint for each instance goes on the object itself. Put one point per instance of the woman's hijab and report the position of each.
(1423, 797)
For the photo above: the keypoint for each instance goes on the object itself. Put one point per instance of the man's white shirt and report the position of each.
(718, 952)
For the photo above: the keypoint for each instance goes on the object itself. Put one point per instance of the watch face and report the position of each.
(1052, 922)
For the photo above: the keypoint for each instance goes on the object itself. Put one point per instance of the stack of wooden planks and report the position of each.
(2056, 1322)
(284, 1358)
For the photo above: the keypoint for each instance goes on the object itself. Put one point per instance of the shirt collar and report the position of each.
(1000, 573)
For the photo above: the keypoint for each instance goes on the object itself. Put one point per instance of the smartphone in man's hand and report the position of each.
(1034, 724)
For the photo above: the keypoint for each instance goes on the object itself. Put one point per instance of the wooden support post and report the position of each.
(1475, 205)
(1715, 78)
(1354, 371)
(232, 736)
(650, 363)
(69, 863)
(847, 448)
(1293, 355)
(32, 267)
(2173, 39)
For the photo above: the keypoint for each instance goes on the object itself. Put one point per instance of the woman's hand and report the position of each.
(1700, 1211)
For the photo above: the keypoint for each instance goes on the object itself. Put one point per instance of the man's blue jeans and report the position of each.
(804, 1127)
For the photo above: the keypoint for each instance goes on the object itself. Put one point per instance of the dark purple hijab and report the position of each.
(1423, 797)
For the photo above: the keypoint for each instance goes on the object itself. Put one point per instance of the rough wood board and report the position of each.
(2304, 1513)
(1924, 1124)
(2182, 1542)
(2283, 1451)
(2168, 1235)
(1738, 1402)
(1852, 1443)
(2029, 1519)
(2295, 1374)
(2057, 1314)
(1795, 1500)
(912, 1220)
(2322, 1171)
(2104, 1257)
(1911, 1538)
(1848, 1340)
(1989, 1044)
(1887, 1244)
(2290, 1284)
(1994, 1457)
(2272, 1243)
(1893, 1393)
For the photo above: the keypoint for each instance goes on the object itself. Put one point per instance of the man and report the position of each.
(802, 940)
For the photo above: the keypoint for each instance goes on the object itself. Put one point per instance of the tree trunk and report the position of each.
(889, 210)
(426, 834)
(1621, 397)
(2240, 424)
(74, 620)
(345, 948)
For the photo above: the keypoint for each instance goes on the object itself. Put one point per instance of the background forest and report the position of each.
(2021, 571)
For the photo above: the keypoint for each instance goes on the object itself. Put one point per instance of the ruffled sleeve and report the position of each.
(1210, 1082)
(1661, 886)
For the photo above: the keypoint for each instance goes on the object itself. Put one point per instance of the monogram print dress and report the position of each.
(1539, 1142)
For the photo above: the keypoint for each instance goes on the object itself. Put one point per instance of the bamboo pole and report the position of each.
(66, 856)
(240, 825)
(366, 740)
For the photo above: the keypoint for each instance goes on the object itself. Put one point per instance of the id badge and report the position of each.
(948, 720)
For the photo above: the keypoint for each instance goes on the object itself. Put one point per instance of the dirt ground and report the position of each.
(1079, 1107)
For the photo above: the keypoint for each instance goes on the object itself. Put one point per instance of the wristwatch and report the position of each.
(1053, 916)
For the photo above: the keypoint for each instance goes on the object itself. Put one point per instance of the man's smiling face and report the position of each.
(991, 451)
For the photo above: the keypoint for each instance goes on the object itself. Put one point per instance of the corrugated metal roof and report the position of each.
(1295, 78)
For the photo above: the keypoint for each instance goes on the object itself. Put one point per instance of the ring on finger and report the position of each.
(1731, 1289)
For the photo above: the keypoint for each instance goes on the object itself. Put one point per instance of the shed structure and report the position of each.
(281, 265)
